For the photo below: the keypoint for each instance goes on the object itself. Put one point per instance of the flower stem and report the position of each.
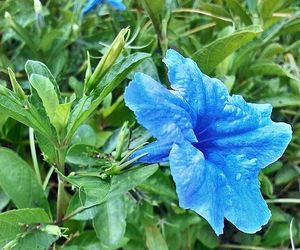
(33, 155)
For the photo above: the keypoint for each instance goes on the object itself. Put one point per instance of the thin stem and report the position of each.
(291, 234)
(46, 181)
(60, 162)
(33, 155)
(284, 200)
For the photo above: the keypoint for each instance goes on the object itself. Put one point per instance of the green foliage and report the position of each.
(19, 182)
(68, 185)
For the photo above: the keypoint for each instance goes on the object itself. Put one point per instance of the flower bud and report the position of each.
(122, 140)
(16, 86)
(8, 18)
(52, 229)
(108, 59)
(37, 6)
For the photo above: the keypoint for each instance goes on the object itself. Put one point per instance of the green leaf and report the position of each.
(236, 7)
(86, 135)
(94, 191)
(38, 68)
(35, 240)
(109, 223)
(283, 100)
(127, 180)
(19, 182)
(22, 33)
(46, 146)
(46, 92)
(214, 53)
(20, 110)
(266, 185)
(154, 239)
(14, 107)
(286, 175)
(11, 221)
(156, 12)
(86, 155)
(61, 116)
(277, 233)
(85, 241)
(271, 50)
(4, 199)
(161, 184)
(87, 104)
(267, 7)
(87, 214)
(268, 69)
(208, 237)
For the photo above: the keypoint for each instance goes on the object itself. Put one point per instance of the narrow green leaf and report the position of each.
(156, 11)
(11, 222)
(214, 53)
(109, 223)
(22, 33)
(19, 182)
(267, 68)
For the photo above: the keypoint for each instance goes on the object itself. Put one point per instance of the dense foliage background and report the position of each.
(253, 46)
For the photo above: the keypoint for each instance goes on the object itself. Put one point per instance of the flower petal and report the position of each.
(164, 114)
(218, 189)
(242, 140)
(117, 4)
(92, 4)
(198, 185)
(157, 151)
(205, 95)
(246, 130)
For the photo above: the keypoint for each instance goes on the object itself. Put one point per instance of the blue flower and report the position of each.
(216, 144)
(92, 4)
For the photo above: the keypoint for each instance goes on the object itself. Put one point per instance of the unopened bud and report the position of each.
(37, 6)
(16, 86)
(8, 18)
(122, 140)
(108, 59)
(52, 229)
